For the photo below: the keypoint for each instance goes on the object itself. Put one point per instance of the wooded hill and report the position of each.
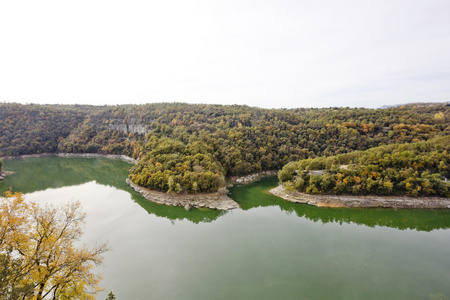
(415, 169)
(191, 148)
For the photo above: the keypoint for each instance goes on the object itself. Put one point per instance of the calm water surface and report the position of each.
(269, 249)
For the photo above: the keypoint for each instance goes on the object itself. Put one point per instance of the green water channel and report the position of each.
(268, 249)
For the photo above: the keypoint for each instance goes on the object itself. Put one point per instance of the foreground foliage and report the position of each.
(416, 169)
(38, 258)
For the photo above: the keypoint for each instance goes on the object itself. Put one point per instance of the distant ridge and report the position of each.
(415, 103)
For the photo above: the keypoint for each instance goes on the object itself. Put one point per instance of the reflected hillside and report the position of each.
(177, 212)
(38, 174)
(256, 195)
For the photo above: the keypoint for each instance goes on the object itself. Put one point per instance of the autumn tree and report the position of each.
(13, 269)
(38, 255)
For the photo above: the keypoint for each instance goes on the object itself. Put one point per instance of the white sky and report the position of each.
(266, 53)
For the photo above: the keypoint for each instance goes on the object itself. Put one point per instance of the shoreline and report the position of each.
(4, 173)
(201, 200)
(350, 201)
(88, 155)
(223, 202)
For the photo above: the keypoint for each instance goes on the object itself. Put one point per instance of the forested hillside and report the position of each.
(414, 169)
(183, 144)
(30, 129)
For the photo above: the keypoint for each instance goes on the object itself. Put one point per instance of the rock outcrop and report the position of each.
(4, 173)
(203, 200)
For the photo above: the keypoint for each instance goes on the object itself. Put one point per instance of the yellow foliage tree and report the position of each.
(439, 116)
(38, 252)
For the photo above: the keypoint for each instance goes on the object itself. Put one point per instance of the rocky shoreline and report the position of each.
(89, 155)
(4, 173)
(223, 202)
(203, 200)
(361, 201)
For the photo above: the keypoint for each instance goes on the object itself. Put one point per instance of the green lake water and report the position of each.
(269, 249)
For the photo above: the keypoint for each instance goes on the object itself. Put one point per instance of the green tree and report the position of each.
(111, 296)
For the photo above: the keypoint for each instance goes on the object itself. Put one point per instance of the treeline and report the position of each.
(240, 139)
(415, 169)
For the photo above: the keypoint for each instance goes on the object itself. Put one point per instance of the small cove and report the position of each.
(268, 249)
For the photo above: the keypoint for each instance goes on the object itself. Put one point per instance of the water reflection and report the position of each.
(54, 172)
(256, 195)
(38, 174)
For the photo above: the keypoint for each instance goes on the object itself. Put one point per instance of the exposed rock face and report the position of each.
(129, 128)
(211, 200)
(253, 177)
(361, 201)
(132, 125)
(316, 172)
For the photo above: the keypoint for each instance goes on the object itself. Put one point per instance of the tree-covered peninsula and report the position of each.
(415, 169)
(170, 165)
(187, 148)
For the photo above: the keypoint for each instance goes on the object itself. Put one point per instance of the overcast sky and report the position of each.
(266, 53)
